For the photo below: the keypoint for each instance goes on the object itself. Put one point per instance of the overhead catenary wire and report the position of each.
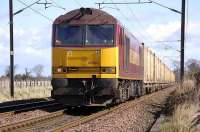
(174, 10)
(187, 21)
(146, 34)
(106, 6)
(46, 4)
(19, 11)
(123, 15)
(168, 41)
(122, 3)
(78, 3)
(57, 5)
(141, 34)
(37, 12)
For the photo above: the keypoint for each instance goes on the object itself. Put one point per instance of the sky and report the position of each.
(150, 23)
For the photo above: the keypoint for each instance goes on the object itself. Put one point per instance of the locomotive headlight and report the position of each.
(108, 70)
(57, 70)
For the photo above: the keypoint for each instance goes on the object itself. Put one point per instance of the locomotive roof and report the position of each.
(86, 16)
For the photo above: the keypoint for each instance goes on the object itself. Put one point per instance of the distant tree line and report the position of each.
(35, 73)
(192, 69)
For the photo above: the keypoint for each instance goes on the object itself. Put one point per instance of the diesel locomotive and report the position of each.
(96, 61)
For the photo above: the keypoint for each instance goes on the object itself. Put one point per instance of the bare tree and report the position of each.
(38, 70)
(7, 70)
(193, 67)
(27, 74)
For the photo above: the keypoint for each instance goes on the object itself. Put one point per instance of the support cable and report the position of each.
(37, 12)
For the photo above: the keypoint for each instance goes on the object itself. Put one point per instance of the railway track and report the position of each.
(89, 118)
(60, 120)
(45, 122)
(17, 108)
(31, 121)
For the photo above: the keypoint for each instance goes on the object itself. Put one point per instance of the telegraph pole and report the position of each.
(11, 37)
(11, 49)
(182, 42)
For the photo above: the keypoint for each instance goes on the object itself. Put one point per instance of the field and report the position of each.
(25, 90)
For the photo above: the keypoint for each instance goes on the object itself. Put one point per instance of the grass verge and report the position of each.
(184, 110)
(25, 93)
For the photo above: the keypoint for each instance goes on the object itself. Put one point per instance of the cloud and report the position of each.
(32, 46)
(162, 31)
(171, 31)
(193, 32)
(4, 35)
(2, 51)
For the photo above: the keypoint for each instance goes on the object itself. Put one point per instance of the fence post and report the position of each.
(21, 84)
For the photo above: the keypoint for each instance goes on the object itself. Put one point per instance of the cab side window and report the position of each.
(126, 53)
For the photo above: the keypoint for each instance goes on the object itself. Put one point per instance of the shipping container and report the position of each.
(155, 71)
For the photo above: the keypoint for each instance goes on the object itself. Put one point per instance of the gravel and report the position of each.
(21, 116)
(138, 118)
(57, 122)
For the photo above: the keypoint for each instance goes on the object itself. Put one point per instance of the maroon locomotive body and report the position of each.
(95, 60)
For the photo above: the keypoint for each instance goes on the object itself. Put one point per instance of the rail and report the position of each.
(29, 122)
(12, 109)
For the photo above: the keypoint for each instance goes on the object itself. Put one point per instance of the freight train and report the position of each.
(96, 61)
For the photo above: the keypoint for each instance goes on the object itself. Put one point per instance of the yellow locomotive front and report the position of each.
(84, 62)
(84, 58)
